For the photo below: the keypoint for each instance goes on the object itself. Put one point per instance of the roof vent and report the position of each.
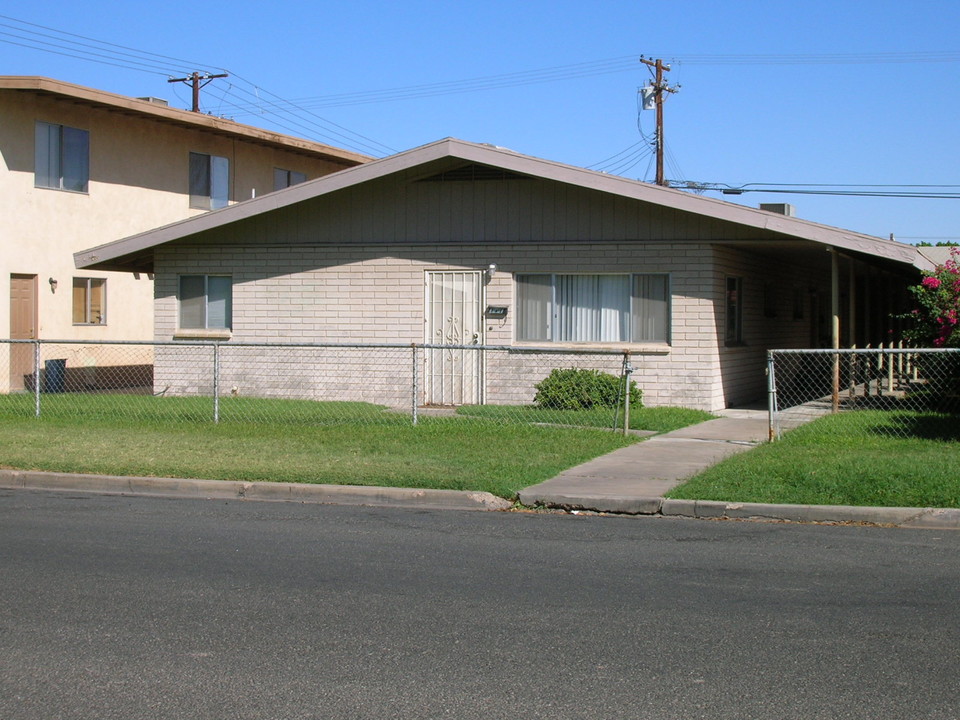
(779, 208)
(155, 101)
(474, 172)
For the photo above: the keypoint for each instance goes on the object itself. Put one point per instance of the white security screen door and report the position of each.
(454, 317)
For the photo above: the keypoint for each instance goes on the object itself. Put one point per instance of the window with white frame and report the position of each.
(593, 308)
(285, 178)
(62, 157)
(206, 302)
(209, 181)
(89, 301)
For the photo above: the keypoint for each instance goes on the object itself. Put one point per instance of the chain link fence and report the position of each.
(312, 383)
(805, 384)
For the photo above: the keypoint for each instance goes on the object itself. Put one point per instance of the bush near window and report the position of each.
(577, 389)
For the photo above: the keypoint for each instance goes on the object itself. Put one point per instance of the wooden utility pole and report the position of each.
(194, 81)
(659, 88)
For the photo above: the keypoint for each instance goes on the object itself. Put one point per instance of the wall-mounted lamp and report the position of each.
(53, 285)
(491, 270)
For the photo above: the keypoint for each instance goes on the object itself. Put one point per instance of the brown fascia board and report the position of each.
(509, 160)
(708, 207)
(175, 116)
(102, 256)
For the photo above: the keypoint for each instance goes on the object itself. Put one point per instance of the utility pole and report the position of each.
(194, 81)
(659, 88)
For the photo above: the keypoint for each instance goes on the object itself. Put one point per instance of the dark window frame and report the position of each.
(61, 158)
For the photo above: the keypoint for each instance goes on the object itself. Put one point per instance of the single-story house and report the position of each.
(463, 243)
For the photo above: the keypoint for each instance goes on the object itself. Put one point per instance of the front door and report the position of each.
(454, 317)
(23, 326)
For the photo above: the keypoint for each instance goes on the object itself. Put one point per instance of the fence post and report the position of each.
(890, 369)
(216, 383)
(36, 378)
(879, 386)
(627, 371)
(416, 385)
(852, 377)
(772, 434)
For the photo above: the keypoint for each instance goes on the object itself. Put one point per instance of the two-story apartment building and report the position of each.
(80, 167)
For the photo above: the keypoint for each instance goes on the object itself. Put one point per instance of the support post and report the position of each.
(627, 371)
(416, 385)
(772, 433)
(835, 324)
(216, 383)
(36, 378)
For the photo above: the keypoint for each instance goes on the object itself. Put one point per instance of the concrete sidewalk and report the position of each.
(634, 480)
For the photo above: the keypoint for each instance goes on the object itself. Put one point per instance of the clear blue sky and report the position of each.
(886, 113)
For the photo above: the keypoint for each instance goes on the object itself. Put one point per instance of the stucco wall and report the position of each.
(138, 181)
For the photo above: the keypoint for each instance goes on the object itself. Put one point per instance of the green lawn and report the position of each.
(660, 419)
(297, 441)
(874, 458)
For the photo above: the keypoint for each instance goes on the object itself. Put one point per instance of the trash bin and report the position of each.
(55, 375)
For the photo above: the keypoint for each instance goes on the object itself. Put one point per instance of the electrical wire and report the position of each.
(898, 58)
(626, 63)
(107, 53)
(861, 193)
(602, 164)
(841, 189)
(318, 125)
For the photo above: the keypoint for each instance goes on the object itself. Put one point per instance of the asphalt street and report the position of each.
(134, 607)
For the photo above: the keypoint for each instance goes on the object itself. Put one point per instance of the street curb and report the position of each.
(933, 518)
(626, 504)
(929, 518)
(259, 491)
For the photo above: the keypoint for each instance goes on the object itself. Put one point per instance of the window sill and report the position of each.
(201, 334)
(103, 324)
(636, 348)
(63, 190)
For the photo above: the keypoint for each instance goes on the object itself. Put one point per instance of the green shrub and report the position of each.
(574, 389)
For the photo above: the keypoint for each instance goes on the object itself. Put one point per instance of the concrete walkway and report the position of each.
(634, 479)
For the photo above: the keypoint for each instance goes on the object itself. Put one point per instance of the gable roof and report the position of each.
(135, 250)
(147, 109)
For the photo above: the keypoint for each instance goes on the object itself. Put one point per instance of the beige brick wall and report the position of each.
(376, 294)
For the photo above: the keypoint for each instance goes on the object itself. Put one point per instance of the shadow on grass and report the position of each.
(942, 427)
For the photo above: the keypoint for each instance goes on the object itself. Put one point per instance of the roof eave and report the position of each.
(527, 165)
(186, 118)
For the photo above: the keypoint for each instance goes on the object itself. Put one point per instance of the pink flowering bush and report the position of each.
(936, 319)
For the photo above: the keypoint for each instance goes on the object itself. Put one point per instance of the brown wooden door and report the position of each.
(23, 326)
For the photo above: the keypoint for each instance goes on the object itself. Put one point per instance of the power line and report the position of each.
(602, 67)
(898, 58)
(106, 53)
(102, 45)
(282, 109)
(930, 192)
